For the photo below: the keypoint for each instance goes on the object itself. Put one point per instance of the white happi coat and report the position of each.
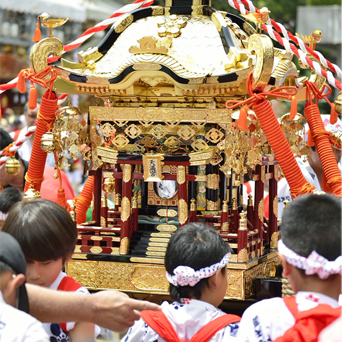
(268, 319)
(186, 318)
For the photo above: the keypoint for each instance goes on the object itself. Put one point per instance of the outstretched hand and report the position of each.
(114, 310)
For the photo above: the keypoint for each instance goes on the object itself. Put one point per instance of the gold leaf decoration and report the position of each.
(133, 131)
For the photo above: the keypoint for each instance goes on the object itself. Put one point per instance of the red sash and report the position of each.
(67, 284)
(308, 323)
(162, 326)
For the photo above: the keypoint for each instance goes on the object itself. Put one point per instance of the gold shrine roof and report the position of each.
(151, 52)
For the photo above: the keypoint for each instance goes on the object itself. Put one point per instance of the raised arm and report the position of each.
(110, 309)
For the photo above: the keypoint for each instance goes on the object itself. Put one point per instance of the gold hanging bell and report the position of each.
(12, 166)
(69, 111)
(47, 142)
(109, 185)
(31, 194)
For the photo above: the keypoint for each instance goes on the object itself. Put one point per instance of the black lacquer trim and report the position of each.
(165, 69)
(78, 78)
(112, 36)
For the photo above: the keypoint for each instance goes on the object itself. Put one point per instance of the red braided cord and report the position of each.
(47, 111)
(83, 201)
(324, 149)
(275, 135)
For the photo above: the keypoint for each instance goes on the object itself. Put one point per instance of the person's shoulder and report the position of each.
(29, 327)
(265, 307)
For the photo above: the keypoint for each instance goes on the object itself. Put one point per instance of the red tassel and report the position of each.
(293, 111)
(242, 124)
(21, 85)
(37, 33)
(33, 98)
(333, 114)
(310, 141)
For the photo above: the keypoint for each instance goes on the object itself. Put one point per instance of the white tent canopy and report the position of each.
(77, 10)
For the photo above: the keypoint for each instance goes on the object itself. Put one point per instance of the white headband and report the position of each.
(313, 264)
(185, 275)
(3, 216)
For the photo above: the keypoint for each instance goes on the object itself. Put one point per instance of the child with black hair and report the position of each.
(196, 264)
(47, 235)
(310, 252)
(8, 197)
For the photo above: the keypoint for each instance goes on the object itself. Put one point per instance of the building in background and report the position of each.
(18, 20)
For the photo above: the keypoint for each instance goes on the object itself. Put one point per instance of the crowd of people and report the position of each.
(196, 268)
(40, 302)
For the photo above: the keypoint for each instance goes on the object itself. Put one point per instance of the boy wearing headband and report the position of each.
(195, 261)
(310, 251)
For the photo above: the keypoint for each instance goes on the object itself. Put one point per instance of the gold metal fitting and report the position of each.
(104, 201)
(72, 204)
(12, 166)
(31, 194)
(338, 103)
(250, 200)
(243, 221)
(117, 199)
(192, 204)
(225, 206)
(234, 204)
(69, 111)
(109, 185)
(47, 142)
(51, 23)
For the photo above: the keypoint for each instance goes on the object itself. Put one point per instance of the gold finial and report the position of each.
(286, 203)
(259, 18)
(72, 204)
(234, 204)
(117, 199)
(314, 38)
(225, 206)
(250, 200)
(192, 204)
(51, 23)
(12, 166)
(243, 221)
(31, 193)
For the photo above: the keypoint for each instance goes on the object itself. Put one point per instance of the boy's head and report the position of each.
(12, 272)
(196, 246)
(8, 197)
(45, 232)
(311, 235)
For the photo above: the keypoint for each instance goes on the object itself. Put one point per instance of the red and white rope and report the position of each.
(17, 145)
(88, 33)
(103, 25)
(285, 41)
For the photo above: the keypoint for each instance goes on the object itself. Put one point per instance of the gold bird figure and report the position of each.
(314, 38)
(258, 18)
(51, 23)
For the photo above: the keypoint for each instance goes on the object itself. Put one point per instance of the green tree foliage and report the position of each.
(323, 2)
